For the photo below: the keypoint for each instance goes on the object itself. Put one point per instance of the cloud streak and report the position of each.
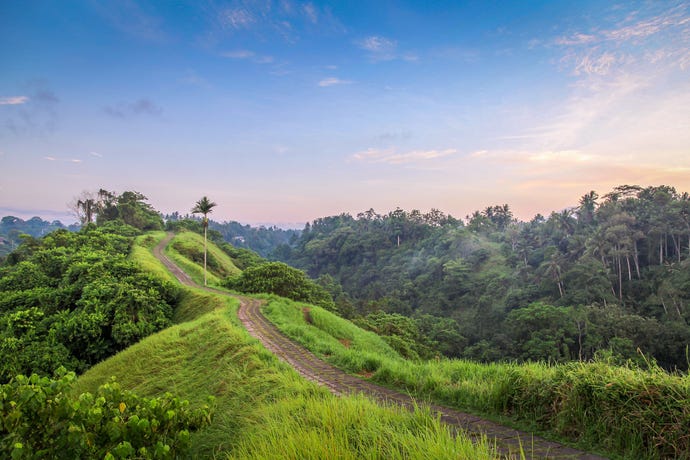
(14, 100)
(383, 49)
(64, 160)
(392, 157)
(333, 81)
(32, 114)
(248, 55)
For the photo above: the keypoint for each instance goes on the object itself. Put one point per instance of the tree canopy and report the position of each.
(610, 273)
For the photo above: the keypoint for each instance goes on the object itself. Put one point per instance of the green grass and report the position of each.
(327, 333)
(142, 254)
(187, 250)
(352, 428)
(264, 409)
(627, 412)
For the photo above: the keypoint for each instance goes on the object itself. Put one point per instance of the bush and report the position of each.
(283, 280)
(40, 418)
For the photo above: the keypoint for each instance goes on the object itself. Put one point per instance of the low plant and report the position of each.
(42, 419)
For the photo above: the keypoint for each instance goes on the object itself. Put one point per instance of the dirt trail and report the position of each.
(508, 440)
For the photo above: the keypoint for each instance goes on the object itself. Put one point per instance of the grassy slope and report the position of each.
(263, 408)
(193, 243)
(141, 254)
(628, 412)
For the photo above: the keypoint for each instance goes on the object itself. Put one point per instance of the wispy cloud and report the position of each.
(627, 78)
(392, 157)
(377, 44)
(134, 19)
(384, 49)
(287, 19)
(192, 78)
(34, 114)
(333, 81)
(139, 107)
(663, 38)
(13, 100)
(64, 160)
(96, 154)
(595, 63)
(248, 55)
(311, 13)
(237, 18)
(238, 54)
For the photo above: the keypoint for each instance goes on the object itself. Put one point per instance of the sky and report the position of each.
(284, 111)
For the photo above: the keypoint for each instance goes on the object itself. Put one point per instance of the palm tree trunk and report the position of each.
(205, 226)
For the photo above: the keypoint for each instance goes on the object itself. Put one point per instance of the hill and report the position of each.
(609, 275)
(263, 408)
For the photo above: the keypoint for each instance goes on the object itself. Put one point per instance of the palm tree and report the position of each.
(204, 206)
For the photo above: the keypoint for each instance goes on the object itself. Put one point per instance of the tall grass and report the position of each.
(352, 428)
(624, 411)
(187, 246)
(264, 409)
(142, 255)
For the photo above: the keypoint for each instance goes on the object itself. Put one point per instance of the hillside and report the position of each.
(257, 396)
(610, 275)
(101, 268)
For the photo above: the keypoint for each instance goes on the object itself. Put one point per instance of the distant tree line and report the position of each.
(610, 275)
(12, 228)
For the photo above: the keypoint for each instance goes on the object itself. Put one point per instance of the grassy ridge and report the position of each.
(625, 411)
(264, 409)
(142, 255)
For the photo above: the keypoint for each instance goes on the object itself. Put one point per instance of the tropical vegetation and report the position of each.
(609, 275)
(579, 314)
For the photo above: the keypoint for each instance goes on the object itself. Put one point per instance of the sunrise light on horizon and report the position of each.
(286, 111)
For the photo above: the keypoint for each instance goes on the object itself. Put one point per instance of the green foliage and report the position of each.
(41, 419)
(638, 414)
(186, 250)
(73, 299)
(130, 208)
(242, 258)
(624, 410)
(283, 280)
(544, 332)
(328, 334)
(627, 252)
(263, 408)
(310, 428)
(400, 332)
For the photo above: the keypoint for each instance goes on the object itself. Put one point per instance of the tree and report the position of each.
(204, 206)
(281, 279)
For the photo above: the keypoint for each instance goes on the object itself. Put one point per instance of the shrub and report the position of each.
(281, 279)
(40, 418)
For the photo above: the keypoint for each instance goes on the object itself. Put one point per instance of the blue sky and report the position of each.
(285, 111)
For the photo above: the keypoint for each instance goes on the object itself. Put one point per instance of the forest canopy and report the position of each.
(609, 275)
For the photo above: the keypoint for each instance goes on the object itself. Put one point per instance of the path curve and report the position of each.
(311, 367)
